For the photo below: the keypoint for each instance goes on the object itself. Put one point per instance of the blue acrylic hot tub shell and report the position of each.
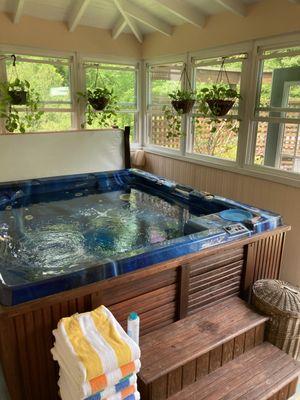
(210, 234)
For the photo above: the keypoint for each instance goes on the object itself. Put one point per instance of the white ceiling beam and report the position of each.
(77, 13)
(135, 29)
(235, 6)
(132, 25)
(145, 17)
(184, 11)
(119, 27)
(18, 11)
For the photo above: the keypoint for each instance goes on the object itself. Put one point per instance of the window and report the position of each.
(51, 78)
(123, 80)
(163, 79)
(217, 138)
(277, 112)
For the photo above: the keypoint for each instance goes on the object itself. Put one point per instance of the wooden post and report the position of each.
(184, 283)
(127, 147)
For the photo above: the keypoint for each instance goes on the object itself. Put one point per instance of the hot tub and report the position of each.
(57, 234)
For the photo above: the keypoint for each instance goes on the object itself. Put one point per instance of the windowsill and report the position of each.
(280, 177)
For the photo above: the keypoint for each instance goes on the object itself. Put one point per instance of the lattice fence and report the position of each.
(159, 137)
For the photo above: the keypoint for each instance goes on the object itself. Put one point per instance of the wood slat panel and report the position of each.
(214, 278)
(196, 346)
(127, 290)
(258, 374)
(264, 260)
(174, 381)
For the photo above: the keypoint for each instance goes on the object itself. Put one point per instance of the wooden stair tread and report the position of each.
(256, 375)
(183, 341)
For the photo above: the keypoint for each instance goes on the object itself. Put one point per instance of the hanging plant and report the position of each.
(182, 102)
(218, 99)
(19, 93)
(100, 104)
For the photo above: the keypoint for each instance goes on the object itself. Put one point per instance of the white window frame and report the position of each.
(83, 59)
(181, 58)
(225, 51)
(262, 171)
(22, 52)
(246, 142)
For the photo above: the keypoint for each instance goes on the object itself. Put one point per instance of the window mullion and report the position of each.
(246, 92)
(254, 74)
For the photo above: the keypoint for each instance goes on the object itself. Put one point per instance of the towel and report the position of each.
(120, 387)
(124, 394)
(94, 344)
(99, 383)
(65, 381)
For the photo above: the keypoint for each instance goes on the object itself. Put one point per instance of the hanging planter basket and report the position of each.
(219, 107)
(183, 100)
(99, 103)
(183, 106)
(18, 97)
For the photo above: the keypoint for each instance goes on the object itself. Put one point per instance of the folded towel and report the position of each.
(121, 387)
(99, 383)
(123, 394)
(66, 394)
(76, 393)
(94, 344)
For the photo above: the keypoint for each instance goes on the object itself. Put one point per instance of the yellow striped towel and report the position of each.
(93, 344)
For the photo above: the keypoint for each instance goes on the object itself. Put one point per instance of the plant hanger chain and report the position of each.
(14, 59)
(183, 75)
(98, 76)
(222, 71)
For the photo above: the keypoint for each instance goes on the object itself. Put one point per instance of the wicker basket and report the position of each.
(281, 302)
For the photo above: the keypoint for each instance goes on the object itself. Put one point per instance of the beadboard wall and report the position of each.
(282, 199)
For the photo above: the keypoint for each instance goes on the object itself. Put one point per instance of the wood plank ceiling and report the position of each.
(137, 17)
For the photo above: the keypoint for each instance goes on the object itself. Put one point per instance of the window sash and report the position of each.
(134, 107)
(170, 67)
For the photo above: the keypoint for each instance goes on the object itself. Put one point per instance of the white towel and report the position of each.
(66, 394)
(84, 388)
(93, 343)
(75, 392)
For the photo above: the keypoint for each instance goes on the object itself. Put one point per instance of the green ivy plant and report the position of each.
(183, 95)
(218, 91)
(101, 106)
(174, 122)
(173, 116)
(19, 117)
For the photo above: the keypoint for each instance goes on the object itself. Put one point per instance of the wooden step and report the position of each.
(185, 351)
(263, 373)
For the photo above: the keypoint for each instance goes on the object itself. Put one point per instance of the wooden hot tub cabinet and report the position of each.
(161, 294)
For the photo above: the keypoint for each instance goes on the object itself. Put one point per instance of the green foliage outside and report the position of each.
(12, 94)
(43, 78)
(221, 139)
(123, 83)
(52, 82)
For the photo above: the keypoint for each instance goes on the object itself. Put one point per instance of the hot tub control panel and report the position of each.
(234, 229)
